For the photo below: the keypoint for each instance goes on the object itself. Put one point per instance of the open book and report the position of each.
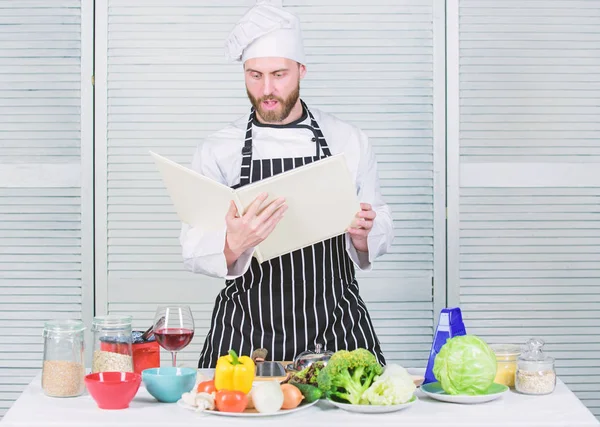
(321, 199)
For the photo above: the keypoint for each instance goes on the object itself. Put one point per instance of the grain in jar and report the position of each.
(535, 382)
(63, 378)
(109, 361)
(535, 371)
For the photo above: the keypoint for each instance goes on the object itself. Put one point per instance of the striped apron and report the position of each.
(291, 303)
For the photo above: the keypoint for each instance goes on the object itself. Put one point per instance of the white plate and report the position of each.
(434, 390)
(374, 409)
(181, 403)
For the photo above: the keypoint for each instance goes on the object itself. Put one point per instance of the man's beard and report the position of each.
(277, 115)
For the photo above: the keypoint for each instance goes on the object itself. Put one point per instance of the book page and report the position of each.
(199, 201)
(321, 199)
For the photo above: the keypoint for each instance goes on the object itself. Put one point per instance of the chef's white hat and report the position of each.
(266, 31)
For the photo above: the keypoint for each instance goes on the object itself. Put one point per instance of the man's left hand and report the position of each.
(361, 227)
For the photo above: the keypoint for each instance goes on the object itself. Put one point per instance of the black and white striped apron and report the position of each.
(291, 303)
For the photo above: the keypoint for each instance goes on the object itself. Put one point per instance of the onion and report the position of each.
(267, 397)
(250, 404)
(292, 397)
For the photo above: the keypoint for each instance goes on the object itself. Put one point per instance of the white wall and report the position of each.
(46, 155)
(524, 177)
(522, 141)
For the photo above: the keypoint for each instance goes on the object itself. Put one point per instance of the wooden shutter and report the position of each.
(46, 232)
(525, 214)
(165, 86)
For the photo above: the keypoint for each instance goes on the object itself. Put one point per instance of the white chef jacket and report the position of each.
(219, 157)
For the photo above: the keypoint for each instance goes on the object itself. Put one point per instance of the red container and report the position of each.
(146, 355)
(113, 390)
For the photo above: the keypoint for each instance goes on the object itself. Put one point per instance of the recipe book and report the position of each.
(321, 198)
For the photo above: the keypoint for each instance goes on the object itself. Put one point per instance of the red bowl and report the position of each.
(113, 390)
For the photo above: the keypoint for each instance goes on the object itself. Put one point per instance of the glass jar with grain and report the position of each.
(63, 369)
(112, 344)
(506, 358)
(535, 371)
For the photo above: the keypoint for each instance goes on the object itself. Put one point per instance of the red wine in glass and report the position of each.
(174, 339)
(173, 328)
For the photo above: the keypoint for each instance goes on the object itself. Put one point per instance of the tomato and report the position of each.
(231, 401)
(206, 387)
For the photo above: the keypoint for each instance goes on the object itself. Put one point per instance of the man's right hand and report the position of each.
(252, 228)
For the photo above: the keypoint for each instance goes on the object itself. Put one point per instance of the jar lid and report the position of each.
(534, 356)
(113, 321)
(64, 326)
(506, 349)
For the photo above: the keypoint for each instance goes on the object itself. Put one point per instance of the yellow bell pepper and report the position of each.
(234, 373)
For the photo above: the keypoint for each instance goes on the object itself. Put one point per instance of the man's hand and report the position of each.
(361, 227)
(252, 228)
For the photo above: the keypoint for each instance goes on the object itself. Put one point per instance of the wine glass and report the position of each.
(173, 328)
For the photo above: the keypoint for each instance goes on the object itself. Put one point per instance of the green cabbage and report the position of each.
(465, 365)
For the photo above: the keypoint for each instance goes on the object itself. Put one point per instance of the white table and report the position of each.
(562, 408)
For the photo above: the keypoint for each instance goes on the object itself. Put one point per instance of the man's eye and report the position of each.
(256, 76)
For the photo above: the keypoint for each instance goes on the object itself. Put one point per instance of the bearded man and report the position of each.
(308, 297)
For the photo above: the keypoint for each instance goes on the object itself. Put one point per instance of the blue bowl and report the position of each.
(168, 384)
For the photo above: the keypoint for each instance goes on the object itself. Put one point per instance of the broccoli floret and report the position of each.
(348, 374)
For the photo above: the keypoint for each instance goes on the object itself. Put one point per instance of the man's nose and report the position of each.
(268, 86)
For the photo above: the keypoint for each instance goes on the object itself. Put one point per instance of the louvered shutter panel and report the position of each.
(43, 268)
(168, 86)
(528, 240)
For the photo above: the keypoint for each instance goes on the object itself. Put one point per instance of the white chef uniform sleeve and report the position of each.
(202, 250)
(381, 236)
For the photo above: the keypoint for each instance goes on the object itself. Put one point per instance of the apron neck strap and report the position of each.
(319, 139)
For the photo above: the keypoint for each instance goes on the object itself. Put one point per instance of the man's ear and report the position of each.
(302, 70)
